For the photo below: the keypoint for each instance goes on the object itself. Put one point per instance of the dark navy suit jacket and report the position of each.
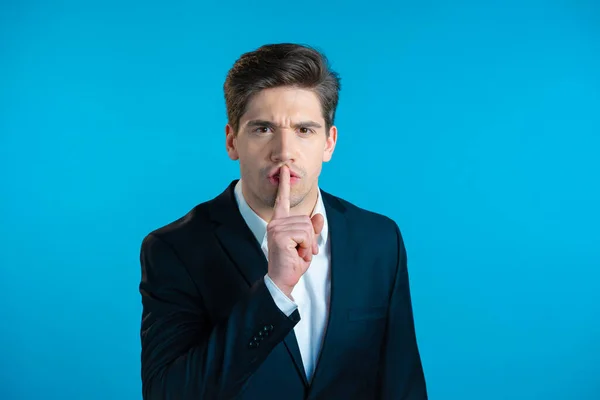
(211, 330)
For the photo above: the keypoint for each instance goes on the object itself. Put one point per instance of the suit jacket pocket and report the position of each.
(367, 313)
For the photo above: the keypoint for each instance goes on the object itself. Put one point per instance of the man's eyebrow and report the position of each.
(260, 122)
(301, 124)
(307, 124)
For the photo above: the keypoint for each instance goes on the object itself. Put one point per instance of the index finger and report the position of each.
(282, 202)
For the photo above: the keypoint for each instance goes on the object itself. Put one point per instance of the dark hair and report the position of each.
(276, 65)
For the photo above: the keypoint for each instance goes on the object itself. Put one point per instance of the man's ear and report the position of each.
(330, 144)
(231, 143)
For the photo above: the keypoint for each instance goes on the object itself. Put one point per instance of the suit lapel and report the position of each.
(341, 288)
(236, 238)
(244, 250)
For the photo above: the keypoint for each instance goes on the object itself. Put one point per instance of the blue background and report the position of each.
(475, 126)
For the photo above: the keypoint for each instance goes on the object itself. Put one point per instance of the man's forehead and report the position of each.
(283, 111)
(281, 121)
(285, 122)
(285, 99)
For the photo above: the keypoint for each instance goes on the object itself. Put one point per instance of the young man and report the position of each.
(276, 289)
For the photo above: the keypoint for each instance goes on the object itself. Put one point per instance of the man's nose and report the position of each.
(283, 146)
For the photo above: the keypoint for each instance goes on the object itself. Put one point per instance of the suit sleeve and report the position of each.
(184, 354)
(401, 374)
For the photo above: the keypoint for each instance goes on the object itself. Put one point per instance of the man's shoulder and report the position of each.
(377, 233)
(360, 216)
(189, 227)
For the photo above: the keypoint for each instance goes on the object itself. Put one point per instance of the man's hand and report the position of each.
(291, 239)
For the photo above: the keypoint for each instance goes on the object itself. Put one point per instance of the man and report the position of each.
(276, 289)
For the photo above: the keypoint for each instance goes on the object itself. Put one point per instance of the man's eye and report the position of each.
(262, 129)
(305, 131)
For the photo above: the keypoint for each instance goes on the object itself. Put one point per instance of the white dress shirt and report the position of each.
(311, 294)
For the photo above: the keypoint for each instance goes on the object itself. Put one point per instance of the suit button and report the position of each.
(262, 333)
(268, 328)
(253, 345)
(295, 317)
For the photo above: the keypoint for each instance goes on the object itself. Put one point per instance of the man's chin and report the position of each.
(269, 195)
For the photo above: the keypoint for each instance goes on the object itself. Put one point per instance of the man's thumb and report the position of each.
(318, 221)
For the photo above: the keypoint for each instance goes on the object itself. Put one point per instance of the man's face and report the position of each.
(281, 126)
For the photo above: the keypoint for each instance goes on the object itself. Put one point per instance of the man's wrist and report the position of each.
(287, 290)
(285, 302)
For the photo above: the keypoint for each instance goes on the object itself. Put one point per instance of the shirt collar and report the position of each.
(258, 226)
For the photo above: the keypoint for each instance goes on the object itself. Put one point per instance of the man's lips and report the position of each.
(274, 177)
(292, 176)
(275, 174)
